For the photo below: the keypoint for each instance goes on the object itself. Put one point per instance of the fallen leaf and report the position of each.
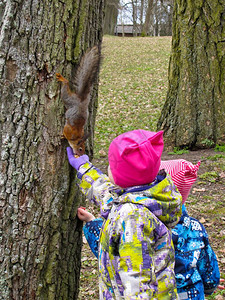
(84, 259)
(219, 297)
(208, 224)
(202, 220)
(91, 292)
(223, 260)
(198, 190)
(222, 175)
(102, 153)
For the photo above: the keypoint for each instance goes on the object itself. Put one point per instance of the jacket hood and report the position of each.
(161, 197)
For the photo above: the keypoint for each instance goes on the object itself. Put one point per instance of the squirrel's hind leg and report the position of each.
(59, 77)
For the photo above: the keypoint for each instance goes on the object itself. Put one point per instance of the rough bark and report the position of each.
(194, 111)
(40, 234)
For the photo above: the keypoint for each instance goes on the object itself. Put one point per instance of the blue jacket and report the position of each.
(196, 266)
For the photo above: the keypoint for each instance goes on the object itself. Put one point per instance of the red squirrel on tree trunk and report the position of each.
(77, 100)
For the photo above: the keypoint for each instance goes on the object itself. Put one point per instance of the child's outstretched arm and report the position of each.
(92, 233)
(91, 229)
(93, 183)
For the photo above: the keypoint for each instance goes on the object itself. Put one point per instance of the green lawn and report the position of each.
(133, 86)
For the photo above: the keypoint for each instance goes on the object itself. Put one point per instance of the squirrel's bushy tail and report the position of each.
(87, 72)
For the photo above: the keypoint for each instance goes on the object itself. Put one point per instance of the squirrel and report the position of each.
(77, 100)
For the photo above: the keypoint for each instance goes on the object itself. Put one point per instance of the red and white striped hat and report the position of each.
(183, 174)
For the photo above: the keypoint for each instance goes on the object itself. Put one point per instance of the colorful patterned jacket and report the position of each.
(196, 274)
(136, 255)
(196, 267)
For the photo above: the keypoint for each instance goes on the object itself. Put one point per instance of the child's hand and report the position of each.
(84, 215)
(76, 162)
(221, 287)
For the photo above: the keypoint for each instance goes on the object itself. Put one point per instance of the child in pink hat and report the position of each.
(196, 266)
(139, 205)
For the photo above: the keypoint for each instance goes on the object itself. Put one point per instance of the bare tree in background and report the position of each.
(135, 16)
(142, 15)
(111, 14)
(150, 17)
(148, 24)
(163, 10)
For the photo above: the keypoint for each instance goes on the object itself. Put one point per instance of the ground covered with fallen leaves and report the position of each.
(133, 85)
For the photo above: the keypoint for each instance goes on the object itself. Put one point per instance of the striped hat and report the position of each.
(183, 174)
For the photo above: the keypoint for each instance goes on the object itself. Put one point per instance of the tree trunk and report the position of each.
(111, 14)
(148, 18)
(134, 16)
(193, 114)
(141, 16)
(40, 234)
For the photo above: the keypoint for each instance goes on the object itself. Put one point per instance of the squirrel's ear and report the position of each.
(84, 138)
(87, 72)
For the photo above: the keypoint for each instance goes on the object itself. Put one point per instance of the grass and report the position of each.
(207, 143)
(220, 148)
(214, 296)
(209, 176)
(133, 85)
(178, 151)
(216, 157)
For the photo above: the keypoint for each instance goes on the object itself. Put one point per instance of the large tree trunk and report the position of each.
(40, 235)
(194, 112)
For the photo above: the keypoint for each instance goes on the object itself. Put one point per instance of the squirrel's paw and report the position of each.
(59, 77)
(63, 137)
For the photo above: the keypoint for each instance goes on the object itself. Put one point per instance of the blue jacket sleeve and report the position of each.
(208, 268)
(92, 233)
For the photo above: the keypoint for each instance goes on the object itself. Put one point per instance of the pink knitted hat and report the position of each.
(134, 157)
(183, 174)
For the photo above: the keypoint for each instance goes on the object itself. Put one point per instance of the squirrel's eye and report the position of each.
(80, 149)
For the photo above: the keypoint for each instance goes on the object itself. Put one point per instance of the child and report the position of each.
(136, 255)
(196, 266)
